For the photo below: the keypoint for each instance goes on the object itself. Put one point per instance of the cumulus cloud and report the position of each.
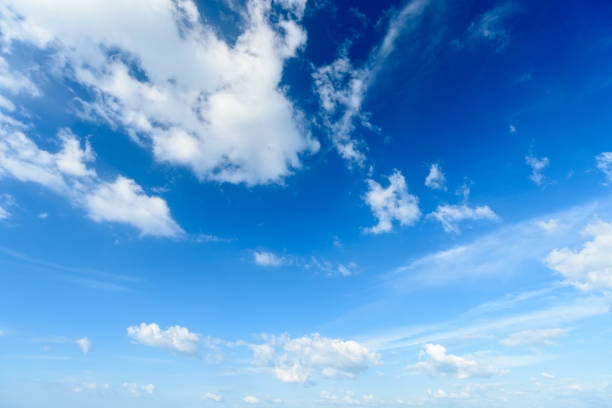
(604, 163)
(298, 360)
(212, 397)
(436, 179)
(391, 203)
(591, 267)
(84, 344)
(548, 376)
(250, 399)
(67, 172)
(162, 74)
(451, 215)
(137, 390)
(542, 337)
(263, 258)
(434, 360)
(537, 165)
(551, 226)
(175, 338)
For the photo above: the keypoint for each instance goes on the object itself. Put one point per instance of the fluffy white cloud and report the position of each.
(250, 399)
(137, 390)
(15, 83)
(175, 338)
(537, 165)
(84, 344)
(90, 387)
(604, 163)
(6, 201)
(451, 215)
(548, 376)
(439, 393)
(435, 179)
(591, 267)
(212, 397)
(264, 258)
(298, 360)
(434, 360)
(67, 172)
(532, 337)
(391, 203)
(551, 226)
(197, 99)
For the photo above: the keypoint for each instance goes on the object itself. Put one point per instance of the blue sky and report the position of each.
(305, 203)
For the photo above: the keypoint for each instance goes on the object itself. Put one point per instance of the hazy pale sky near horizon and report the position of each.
(291, 203)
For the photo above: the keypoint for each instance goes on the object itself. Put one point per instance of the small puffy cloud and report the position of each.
(542, 337)
(4, 214)
(84, 344)
(125, 201)
(436, 179)
(138, 390)
(250, 399)
(175, 338)
(434, 360)
(537, 165)
(604, 163)
(392, 203)
(90, 387)
(263, 258)
(209, 396)
(67, 172)
(298, 360)
(591, 267)
(512, 129)
(548, 376)
(551, 226)
(442, 394)
(43, 216)
(451, 215)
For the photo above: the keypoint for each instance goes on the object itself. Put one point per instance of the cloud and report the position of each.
(67, 172)
(197, 100)
(451, 215)
(15, 83)
(298, 360)
(250, 399)
(212, 397)
(537, 165)
(391, 203)
(6, 201)
(550, 226)
(540, 337)
(90, 387)
(263, 258)
(84, 344)
(441, 394)
(490, 26)
(175, 338)
(434, 360)
(435, 179)
(591, 267)
(548, 376)
(604, 163)
(342, 87)
(137, 390)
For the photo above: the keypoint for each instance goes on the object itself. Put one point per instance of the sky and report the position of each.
(292, 203)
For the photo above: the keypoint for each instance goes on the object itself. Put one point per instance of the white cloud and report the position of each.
(591, 267)
(551, 226)
(250, 399)
(540, 337)
(263, 258)
(84, 344)
(451, 215)
(137, 390)
(43, 216)
(391, 203)
(537, 165)
(67, 172)
(6, 201)
(435, 179)
(512, 129)
(175, 338)
(434, 360)
(212, 397)
(200, 104)
(548, 376)
(342, 87)
(125, 201)
(90, 387)
(604, 163)
(298, 360)
(442, 394)
(15, 82)
(490, 25)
